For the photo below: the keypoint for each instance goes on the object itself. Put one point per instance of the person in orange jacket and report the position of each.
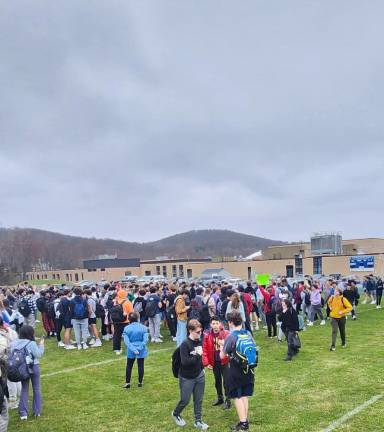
(213, 340)
(122, 300)
(339, 307)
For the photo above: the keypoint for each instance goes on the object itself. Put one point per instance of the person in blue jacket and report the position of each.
(136, 339)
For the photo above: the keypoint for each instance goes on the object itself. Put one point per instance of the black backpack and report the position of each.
(117, 313)
(100, 312)
(18, 368)
(41, 304)
(176, 362)
(51, 310)
(24, 308)
(151, 308)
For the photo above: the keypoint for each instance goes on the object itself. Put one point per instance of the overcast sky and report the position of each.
(140, 119)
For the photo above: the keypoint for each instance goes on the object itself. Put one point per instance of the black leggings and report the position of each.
(128, 370)
(58, 327)
(379, 294)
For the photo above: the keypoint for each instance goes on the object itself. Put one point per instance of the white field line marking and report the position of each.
(334, 425)
(89, 365)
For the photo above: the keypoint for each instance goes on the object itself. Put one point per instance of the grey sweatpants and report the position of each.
(80, 328)
(187, 387)
(154, 327)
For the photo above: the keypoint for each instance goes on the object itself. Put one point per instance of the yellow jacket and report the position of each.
(339, 304)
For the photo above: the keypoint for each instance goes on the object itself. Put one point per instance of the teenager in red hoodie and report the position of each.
(270, 315)
(213, 340)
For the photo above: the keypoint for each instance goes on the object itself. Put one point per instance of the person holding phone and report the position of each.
(35, 351)
(191, 376)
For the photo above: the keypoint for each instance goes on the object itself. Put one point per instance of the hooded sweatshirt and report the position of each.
(127, 305)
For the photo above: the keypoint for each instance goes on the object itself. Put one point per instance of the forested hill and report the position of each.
(21, 248)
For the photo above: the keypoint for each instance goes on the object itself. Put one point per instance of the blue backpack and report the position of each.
(246, 354)
(80, 310)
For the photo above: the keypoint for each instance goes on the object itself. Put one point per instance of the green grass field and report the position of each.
(306, 394)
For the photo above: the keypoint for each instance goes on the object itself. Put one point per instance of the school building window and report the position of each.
(67, 277)
(299, 264)
(147, 272)
(249, 273)
(158, 270)
(317, 265)
(76, 277)
(181, 270)
(174, 271)
(165, 271)
(57, 276)
(189, 273)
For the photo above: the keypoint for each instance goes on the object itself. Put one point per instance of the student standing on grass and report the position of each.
(181, 313)
(119, 314)
(65, 314)
(79, 316)
(316, 306)
(339, 307)
(136, 339)
(95, 341)
(241, 382)
(290, 327)
(191, 376)
(270, 315)
(351, 294)
(211, 359)
(27, 341)
(379, 292)
(153, 313)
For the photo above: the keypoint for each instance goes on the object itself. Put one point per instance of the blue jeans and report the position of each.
(181, 333)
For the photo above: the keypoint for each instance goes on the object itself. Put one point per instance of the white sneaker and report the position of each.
(174, 339)
(322, 322)
(23, 418)
(158, 341)
(373, 302)
(378, 307)
(70, 347)
(201, 425)
(97, 343)
(79, 347)
(178, 420)
(118, 352)
(105, 337)
(161, 336)
(310, 324)
(85, 346)
(91, 342)
(37, 321)
(61, 344)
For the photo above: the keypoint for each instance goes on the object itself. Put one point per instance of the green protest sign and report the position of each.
(263, 279)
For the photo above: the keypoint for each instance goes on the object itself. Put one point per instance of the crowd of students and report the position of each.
(205, 322)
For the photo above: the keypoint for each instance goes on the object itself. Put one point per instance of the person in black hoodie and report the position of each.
(191, 376)
(351, 294)
(290, 327)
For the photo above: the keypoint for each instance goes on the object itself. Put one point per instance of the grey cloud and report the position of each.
(137, 120)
